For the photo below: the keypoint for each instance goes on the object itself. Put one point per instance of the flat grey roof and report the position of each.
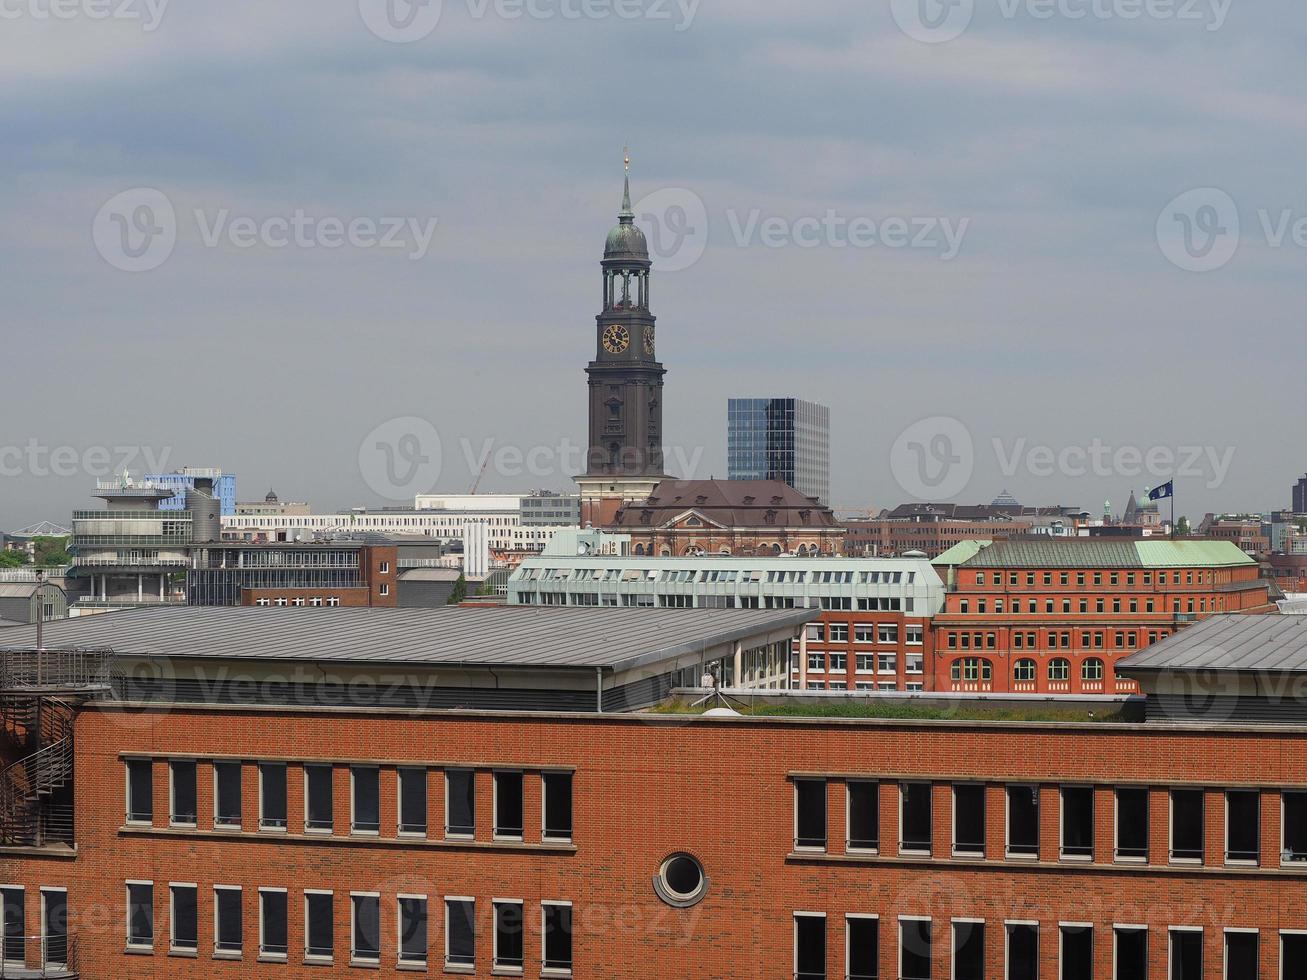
(1229, 642)
(510, 636)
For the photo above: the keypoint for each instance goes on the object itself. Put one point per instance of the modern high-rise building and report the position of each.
(224, 487)
(1300, 496)
(784, 439)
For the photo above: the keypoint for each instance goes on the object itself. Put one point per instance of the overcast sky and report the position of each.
(949, 240)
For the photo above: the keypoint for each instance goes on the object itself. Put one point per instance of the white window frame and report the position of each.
(825, 784)
(217, 824)
(543, 800)
(1062, 927)
(127, 901)
(265, 827)
(1280, 950)
(498, 970)
(494, 805)
(899, 937)
(448, 901)
(1007, 940)
(172, 794)
(1284, 861)
(22, 890)
(1170, 826)
(555, 971)
(1116, 825)
(331, 782)
(273, 957)
(953, 941)
(399, 931)
(903, 784)
(425, 776)
(984, 806)
(354, 925)
(227, 954)
(317, 957)
(46, 891)
(353, 790)
(1008, 853)
(1243, 862)
(172, 918)
(849, 917)
(1171, 932)
(127, 791)
(794, 936)
(1117, 929)
(1061, 824)
(848, 817)
(472, 774)
(1225, 949)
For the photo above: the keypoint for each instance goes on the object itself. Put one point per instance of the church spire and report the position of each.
(627, 215)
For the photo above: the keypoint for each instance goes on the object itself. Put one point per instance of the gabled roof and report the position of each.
(1109, 553)
(728, 503)
(1229, 643)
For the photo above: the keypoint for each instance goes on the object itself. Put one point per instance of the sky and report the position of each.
(349, 249)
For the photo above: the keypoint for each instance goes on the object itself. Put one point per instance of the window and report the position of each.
(864, 633)
(968, 950)
(1024, 670)
(969, 820)
(365, 928)
(971, 670)
(412, 802)
(1293, 955)
(866, 663)
(181, 794)
(460, 803)
(864, 815)
(810, 814)
(1241, 954)
(1295, 827)
(1091, 670)
(14, 950)
(1022, 951)
(384, 590)
(184, 917)
(1132, 824)
(1077, 952)
(508, 805)
(888, 633)
(54, 927)
(914, 663)
(1131, 953)
(914, 949)
(1187, 825)
(839, 662)
(319, 929)
(862, 956)
(1243, 826)
(365, 793)
(226, 794)
(460, 932)
(140, 791)
(1023, 821)
(915, 817)
(1186, 954)
(140, 914)
(887, 663)
(413, 930)
(317, 799)
(839, 632)
(228, 929)
(556, 788)
(272, 923)
(272, 796)
(508, 936)
(1077, 822)
(1059, 669)
(809, 946)
(915, 635)
(556, 923)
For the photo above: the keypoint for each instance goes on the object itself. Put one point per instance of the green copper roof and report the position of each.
(1191, 554)
(960, 553)
(1102, 553)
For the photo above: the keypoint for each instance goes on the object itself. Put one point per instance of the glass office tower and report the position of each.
(783, 439)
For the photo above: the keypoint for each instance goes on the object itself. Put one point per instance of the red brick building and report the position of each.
(1055, 616)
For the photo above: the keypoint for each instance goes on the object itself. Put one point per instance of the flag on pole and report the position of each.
(1163, 492)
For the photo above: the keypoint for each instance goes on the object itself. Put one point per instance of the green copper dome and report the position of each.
(626, 242)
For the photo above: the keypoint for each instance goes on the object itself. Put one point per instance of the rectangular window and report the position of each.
(1187, 825)
(1132, 823)
(365, 803)
(810, 813)
(556, 788)
(1241, 959)
(915, 817)
(1295, 827)
(1023, 821)
(14, 951)
(317, 798)
(1022, 951)
(1076, 954)
(1293, 955)
(140, 791)
(272, 923)
(968, 950)
(1186, 954)
(557, 939)
(319, 929)
(413, 930)
(864, 815)
(1131, 954)
(140, 914)
(460, 932)
(226, 794)
(1243, 826)
(508, 805)
(228, 928)
(969, 820)
(508, 936)
(863, 954)
(412, 802)
(460, 803)
(365, 928)
(1077, 822)
(272, 796)
(183, 913)
(915, 937)
(809, 946)
(181, 793)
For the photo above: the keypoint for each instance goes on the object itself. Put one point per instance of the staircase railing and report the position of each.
(38, 957)
(28, 785)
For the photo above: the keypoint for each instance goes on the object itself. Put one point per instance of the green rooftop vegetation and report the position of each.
(898, 710)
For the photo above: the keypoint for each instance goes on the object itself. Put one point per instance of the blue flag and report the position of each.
(1162, 492)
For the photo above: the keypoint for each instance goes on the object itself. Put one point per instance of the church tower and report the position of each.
(624, 461)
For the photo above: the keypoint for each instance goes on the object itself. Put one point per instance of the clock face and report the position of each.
(649, 341)
(616, 339)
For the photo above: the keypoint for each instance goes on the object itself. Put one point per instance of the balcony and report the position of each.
(39, 958)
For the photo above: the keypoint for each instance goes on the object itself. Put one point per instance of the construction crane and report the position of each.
(477, 483)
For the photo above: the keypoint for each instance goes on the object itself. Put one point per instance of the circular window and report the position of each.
(681, 881)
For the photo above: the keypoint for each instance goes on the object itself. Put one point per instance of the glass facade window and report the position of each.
(782, 439)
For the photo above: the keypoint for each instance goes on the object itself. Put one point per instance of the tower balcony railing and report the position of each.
(30, 670)
(139, 561)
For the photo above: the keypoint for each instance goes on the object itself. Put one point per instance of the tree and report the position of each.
(12, 559)
(52, 551)
(1182, 528)
(460, 590)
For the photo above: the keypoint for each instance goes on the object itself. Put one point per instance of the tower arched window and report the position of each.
(1059, 669)
(1091, 670)
(1024, 670)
